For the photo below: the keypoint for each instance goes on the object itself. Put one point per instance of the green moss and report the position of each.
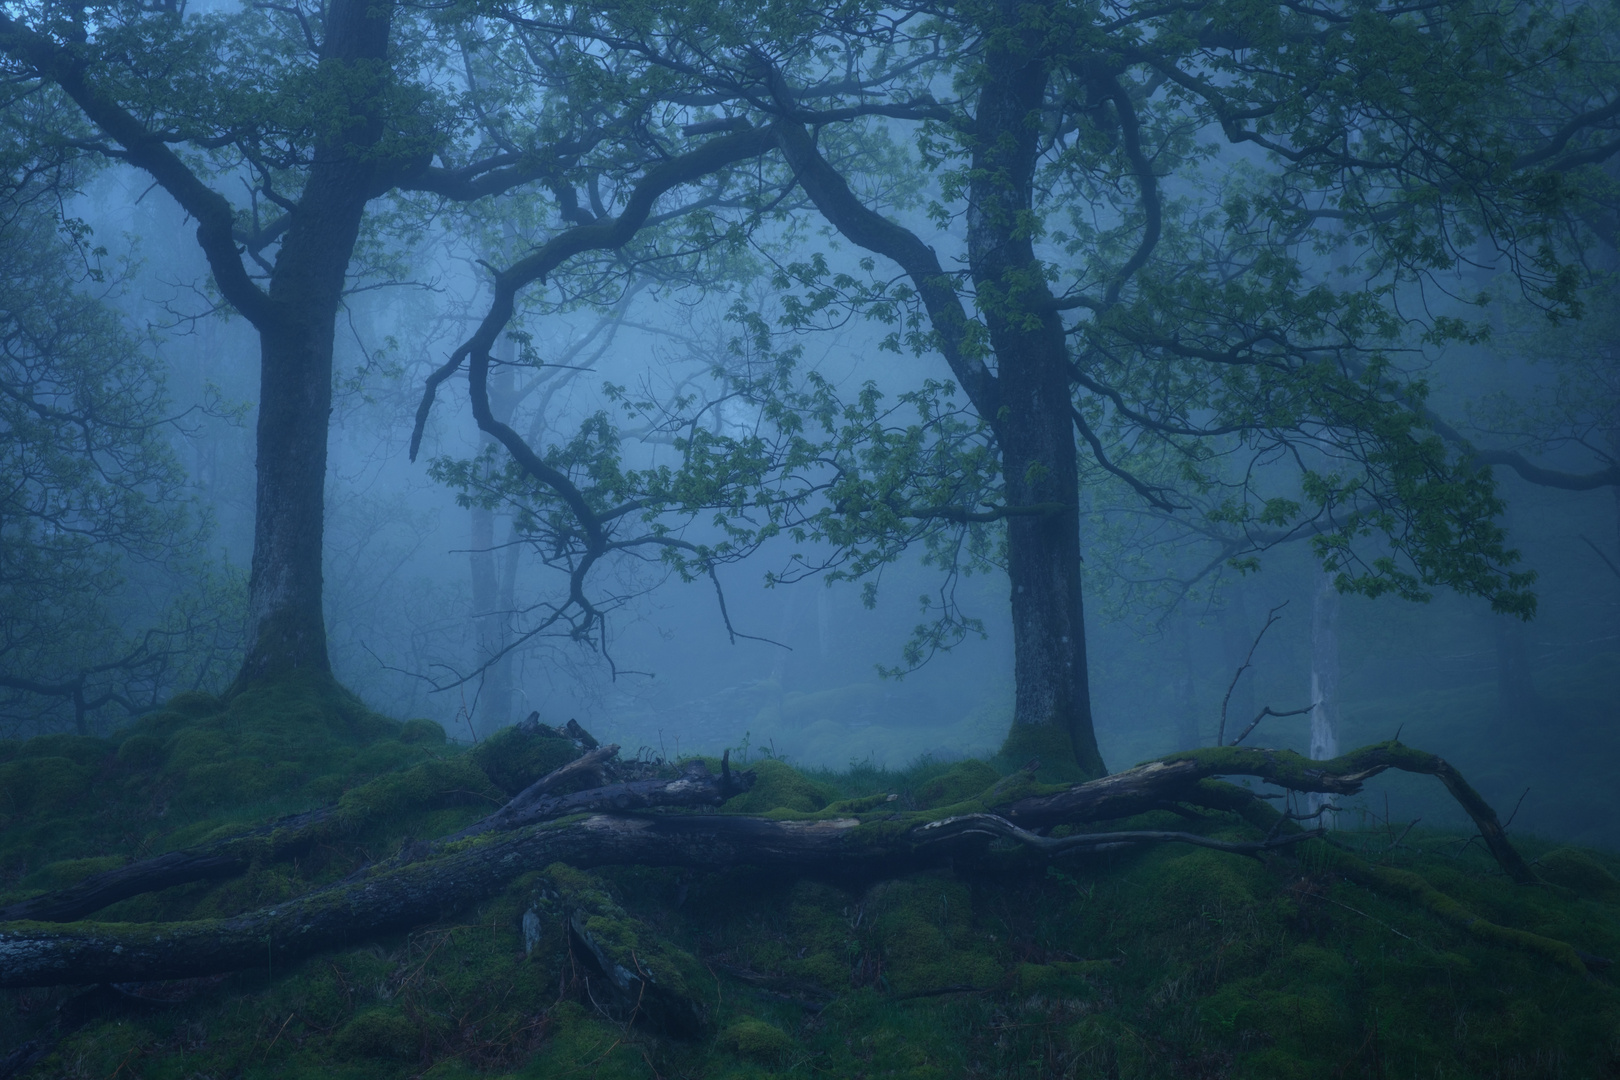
(864, 804)
(1062, 978)
(140, 751)
(964, 780)
(779, 786)
(578, 1044)
(418, 786)
(1574, 869)
(1180, 885)
(79, 749)
(385, 755)
(42, 785)
(59, 875)
(517, 756)
(923, 927)
(423, 731)
(1048, 744)
(658, 982)
(1136, 963)
(194, 704)
(757, 1040)
(382, 1033)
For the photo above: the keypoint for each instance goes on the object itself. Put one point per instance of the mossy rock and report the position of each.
(42, 785)
(385, 756)
(79, 749)
(421, 731)
(757, 1040)
(779, 786)
(380, 1033)
(417, 787)
(1575, 869)
(142, 751)
(236, 780)
(963, 781)
(517, 756)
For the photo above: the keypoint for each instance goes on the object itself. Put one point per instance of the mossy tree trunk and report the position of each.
(1035, 429)
(296, 324)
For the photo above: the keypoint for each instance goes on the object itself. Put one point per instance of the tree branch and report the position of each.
(147, 150)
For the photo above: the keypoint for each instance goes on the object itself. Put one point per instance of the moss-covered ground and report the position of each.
(1156, 962)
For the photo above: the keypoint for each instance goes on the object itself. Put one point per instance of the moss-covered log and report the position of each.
(696, 786)
(429, 785)
(1165, 780)
(226, 858)
(41, 954)
(454, 872)
(44, 954)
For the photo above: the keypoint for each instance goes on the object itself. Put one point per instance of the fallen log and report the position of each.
(280, 839)
(439, 877)
(1151, 785)
(43, 954)
(696, 786)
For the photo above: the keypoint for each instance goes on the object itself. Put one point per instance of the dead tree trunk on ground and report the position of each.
(864, 838)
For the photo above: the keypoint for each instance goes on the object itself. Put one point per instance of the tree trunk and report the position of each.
(1324, 680)
(1035, 428)
(1515, 683)
(286, 629)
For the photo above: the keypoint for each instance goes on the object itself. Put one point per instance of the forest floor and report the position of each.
(1165, 961)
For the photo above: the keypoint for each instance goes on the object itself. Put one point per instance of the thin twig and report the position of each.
(1248, 662)
(1515, 813)
(1606, 560)
(1269, 711)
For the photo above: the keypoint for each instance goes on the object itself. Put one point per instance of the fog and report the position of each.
(772, 656)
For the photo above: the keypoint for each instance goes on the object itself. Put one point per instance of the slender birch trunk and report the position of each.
(1324, 680)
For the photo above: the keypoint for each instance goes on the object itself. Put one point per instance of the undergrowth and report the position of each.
(1158, 962)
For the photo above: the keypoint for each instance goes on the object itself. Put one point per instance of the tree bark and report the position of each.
(422, 885)
(1035, 425)
(1324, 680)
(286, 624)
(1515, 682)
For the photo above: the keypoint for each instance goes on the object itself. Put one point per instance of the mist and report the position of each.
(889, 474)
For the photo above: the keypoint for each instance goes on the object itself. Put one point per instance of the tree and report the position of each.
(1143, 206)
(93, 495)
(314, 113)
